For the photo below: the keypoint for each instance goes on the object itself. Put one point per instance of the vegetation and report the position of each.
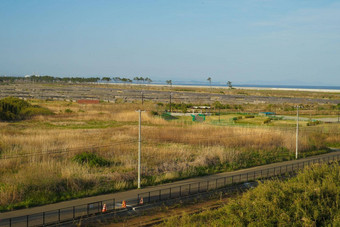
(90, 159)
(87, 149)
(13, 109)
(309, 199)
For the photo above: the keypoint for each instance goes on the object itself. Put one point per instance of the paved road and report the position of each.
(132, 195)
(327, 119)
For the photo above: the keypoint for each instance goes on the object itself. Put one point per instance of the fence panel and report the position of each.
(165, 194)
(66, 214)
(51, 217)
(185, 190)
(35, 219)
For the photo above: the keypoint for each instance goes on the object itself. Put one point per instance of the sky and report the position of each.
(243, 41)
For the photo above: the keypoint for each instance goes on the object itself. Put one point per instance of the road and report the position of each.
(326, 119)
(132, 195)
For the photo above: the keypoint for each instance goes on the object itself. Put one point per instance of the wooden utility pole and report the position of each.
(297, 133)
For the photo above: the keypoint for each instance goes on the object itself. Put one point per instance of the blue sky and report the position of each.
(244, 41)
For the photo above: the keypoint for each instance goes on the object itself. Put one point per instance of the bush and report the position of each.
(13, 109)
(154, 113)
(309, 199)
(268, 120)
(91, 159)
(249, 116)
(68, 111)
(312, 123)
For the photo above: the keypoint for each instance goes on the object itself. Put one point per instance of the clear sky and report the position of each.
(260, 41)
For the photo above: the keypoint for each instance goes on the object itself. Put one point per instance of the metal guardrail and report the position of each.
(210, 185)
(55, 217)
(75, 213)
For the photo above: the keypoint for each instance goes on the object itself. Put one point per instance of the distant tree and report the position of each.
(229, 84)
(142, 79)
(169, 82)
(107, 79)
(148, 80)
(209, 79)
(136, 79)
(117, 79)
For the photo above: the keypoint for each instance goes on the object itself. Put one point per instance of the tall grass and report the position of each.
(171, 150)
(310, 199)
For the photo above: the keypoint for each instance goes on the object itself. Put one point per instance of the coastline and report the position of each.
(238, 87)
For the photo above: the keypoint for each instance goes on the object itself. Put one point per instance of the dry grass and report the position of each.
(171, 149)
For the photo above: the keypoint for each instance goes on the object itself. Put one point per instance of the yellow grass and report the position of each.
(169, 147)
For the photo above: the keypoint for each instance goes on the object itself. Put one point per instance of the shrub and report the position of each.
(309, 199)
(154, 113)
(249, 116)
(13, 109)
(268, 120)
(312, 123)
(68, 111)
(90, 159)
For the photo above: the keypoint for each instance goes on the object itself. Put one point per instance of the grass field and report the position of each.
(309, 199)
(91, 149)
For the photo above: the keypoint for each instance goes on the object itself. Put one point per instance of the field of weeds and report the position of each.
(91, 149)
(309, 199)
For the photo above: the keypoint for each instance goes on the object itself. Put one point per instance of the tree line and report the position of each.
(52, 79)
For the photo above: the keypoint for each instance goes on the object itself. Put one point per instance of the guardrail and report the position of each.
(214, 184)
(55, 217)
(74, 213)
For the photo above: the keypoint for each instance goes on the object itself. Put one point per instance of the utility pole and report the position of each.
(219, 115)
(297, 133)
(170, 102)
(139, 146)
(142, 98)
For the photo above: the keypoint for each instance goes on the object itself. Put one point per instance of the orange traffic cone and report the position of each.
(104, 208)
(141, 201)
(124, 204)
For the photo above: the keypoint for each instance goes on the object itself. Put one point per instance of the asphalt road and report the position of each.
(326, 119)
(132, 195)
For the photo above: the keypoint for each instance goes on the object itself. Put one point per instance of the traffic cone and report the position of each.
(141, 201)
(104, 208)
(124, 204)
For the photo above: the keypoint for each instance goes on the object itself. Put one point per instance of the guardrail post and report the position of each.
(160, 195)
(189, 189)
(199, 187)
(247, 176)
(207, 185)
(74, 212)
(180, 191)
(59, 215)
(27, 220)
(225, 179)
(170, 193)
(88, 209)
(149, 197)
(43, 218)
(232, 179)
(254, 175)
(216, 184)
(10, 222)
